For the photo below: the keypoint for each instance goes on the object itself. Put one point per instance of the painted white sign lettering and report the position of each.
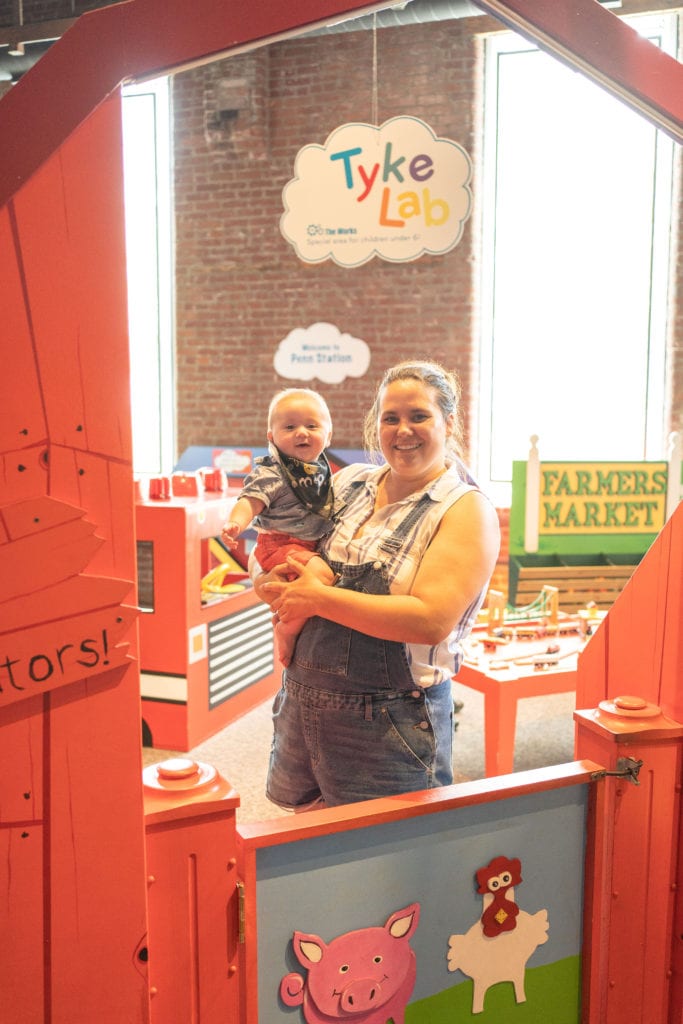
(321, 351)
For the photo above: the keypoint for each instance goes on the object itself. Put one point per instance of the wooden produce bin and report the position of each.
(580, 579)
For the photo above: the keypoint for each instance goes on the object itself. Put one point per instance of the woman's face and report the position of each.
(412, 429)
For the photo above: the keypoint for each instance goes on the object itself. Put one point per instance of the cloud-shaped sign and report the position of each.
(321, 351)
(397, 192)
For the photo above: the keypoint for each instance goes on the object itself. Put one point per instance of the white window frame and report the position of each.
(149, 244)
(663, 30)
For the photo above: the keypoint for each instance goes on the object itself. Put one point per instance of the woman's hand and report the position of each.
(294, 599)
(278, 574)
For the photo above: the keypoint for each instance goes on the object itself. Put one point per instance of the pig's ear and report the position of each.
(308, 948)
(403, 923)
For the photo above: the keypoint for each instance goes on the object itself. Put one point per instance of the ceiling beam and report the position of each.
(35, 32)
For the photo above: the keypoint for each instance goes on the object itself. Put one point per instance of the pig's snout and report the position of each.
(362, 994)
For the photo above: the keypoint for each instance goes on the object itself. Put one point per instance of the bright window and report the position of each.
(577, 199)
(147, 175)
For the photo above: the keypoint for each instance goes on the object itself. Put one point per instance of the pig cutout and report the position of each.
(363, 977)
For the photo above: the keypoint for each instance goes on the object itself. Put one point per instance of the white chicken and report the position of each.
(489, 959)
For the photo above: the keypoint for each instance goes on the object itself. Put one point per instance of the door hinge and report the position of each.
(627, 768)
(241, 900)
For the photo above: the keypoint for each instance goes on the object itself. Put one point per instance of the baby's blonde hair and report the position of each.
(289, 392)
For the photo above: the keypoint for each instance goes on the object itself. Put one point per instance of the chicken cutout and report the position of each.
(361, 977)
(497, 946)
(497, 878)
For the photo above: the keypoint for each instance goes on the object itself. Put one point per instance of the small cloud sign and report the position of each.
(396, 192)
(321, 351)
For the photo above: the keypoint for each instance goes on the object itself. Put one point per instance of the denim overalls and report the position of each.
(349, 722)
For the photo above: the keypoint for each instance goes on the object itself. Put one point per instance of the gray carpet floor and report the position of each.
(544, 736)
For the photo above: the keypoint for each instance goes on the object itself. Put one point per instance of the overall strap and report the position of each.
(394, 543)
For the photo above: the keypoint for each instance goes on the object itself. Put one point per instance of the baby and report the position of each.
(288, 495)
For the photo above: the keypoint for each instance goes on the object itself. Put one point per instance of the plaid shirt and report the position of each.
(356, 487)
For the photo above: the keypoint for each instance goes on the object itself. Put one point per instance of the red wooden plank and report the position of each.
(671, 691)
(375, 812)
(120, 536)
(96, 848)
(637, 628)
(591, 671)
(92, 190)
(51, 655)
(31, 563)
(67, 599)
(51, 283)
(60, 92)
(192, 908)
(22, 939)
(644, 645)
(599, 843)
(642, 893)
(631, 894)
(662, 625)
(27, 518)
(25, 472)
(76, 286)
(21, 780)
(103, 486)
(23, 419)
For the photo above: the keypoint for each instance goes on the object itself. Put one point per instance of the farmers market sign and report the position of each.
(584, 497)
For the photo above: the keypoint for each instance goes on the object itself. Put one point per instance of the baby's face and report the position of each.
(300, 427)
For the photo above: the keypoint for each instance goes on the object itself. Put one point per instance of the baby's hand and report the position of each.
(229, 535)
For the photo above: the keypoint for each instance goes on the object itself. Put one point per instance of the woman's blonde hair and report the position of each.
(446, 388)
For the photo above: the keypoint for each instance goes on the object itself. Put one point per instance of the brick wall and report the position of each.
(240, 286)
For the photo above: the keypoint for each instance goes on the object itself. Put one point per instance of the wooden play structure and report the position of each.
(597, 841)
(131, 899)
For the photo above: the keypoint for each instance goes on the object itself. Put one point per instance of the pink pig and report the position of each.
(363, 977)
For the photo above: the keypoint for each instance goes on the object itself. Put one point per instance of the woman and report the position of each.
(366, 707)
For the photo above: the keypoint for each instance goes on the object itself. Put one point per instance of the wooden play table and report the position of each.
(504, 681)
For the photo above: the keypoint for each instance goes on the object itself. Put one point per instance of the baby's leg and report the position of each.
(287, 632)
(285, 638)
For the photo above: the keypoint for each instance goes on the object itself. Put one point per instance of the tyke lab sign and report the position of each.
(396, 192)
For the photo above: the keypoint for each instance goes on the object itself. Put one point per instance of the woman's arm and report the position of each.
(455, 568)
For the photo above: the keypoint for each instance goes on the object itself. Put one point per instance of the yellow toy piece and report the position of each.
(213, 582)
